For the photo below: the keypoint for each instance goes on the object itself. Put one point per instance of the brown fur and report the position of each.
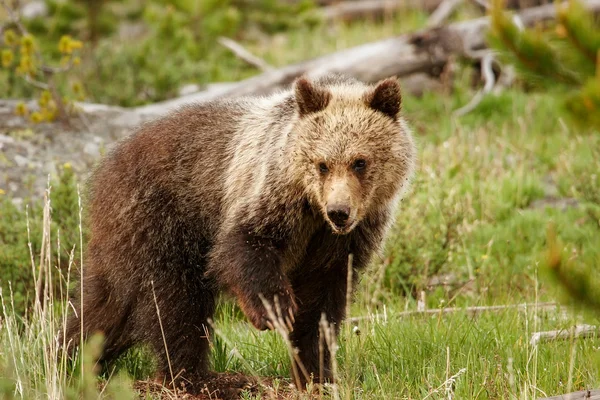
(233, 195)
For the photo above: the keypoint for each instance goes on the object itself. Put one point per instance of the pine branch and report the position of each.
(530, 50)
(580, 29)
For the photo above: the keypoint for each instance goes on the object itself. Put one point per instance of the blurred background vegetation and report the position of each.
(139, 52)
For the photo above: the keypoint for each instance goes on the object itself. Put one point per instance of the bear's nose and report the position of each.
(338, 215)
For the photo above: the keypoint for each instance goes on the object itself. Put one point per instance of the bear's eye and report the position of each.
(323, 168)
(359, 165)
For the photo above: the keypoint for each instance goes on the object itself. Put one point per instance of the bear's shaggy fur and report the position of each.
(254, 196)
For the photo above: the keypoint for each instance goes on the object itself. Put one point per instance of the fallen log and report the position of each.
(425, 51)
(578, 331)
(473, 310)
(581, 395)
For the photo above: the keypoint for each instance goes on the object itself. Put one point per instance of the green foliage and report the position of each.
(22, 60)
(16, 270)
(82, 18)
(532, 52)
(568, 55)
(585, 104)
(181, 46)
(176, 43)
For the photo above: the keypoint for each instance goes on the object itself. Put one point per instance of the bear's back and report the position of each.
(186, 164)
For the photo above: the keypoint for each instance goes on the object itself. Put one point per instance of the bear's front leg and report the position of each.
(250, 266)
(322, 291)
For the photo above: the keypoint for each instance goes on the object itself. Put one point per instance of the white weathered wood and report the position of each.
(443, 12)
(578, 331)
(547, 306)
(581, 395)
(243, 54)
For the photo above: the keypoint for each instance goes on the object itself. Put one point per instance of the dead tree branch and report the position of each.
(240, 52)
(443, 12)
(490, 80)
(578, 331)
(548, 306)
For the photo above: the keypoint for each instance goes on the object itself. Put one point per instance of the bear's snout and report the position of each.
(339, 215)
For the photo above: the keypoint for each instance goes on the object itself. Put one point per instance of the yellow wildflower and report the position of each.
(7, 58)
(76, 44)
(21, 109)
(64, 44)
(27, 44)
(10, 37)
(45, 98)
(37, 117)
(25, 65)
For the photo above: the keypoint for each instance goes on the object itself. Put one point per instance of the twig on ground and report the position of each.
(488, 75)
(483, 4)
(163, 336)
(240, 52)
(349, 284)
(327, 330)
(578, 331)
(442, 12)
(448, 383)
(548, 306)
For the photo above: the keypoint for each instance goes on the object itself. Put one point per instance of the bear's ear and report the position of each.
(310, 98)
(386, 98)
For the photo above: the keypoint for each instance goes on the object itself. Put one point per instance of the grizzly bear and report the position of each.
(259, 197)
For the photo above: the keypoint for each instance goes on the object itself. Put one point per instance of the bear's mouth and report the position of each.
(341, 230)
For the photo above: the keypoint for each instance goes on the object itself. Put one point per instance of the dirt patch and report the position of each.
(222, 386)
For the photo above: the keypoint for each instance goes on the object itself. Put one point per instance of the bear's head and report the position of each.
(353, 150)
